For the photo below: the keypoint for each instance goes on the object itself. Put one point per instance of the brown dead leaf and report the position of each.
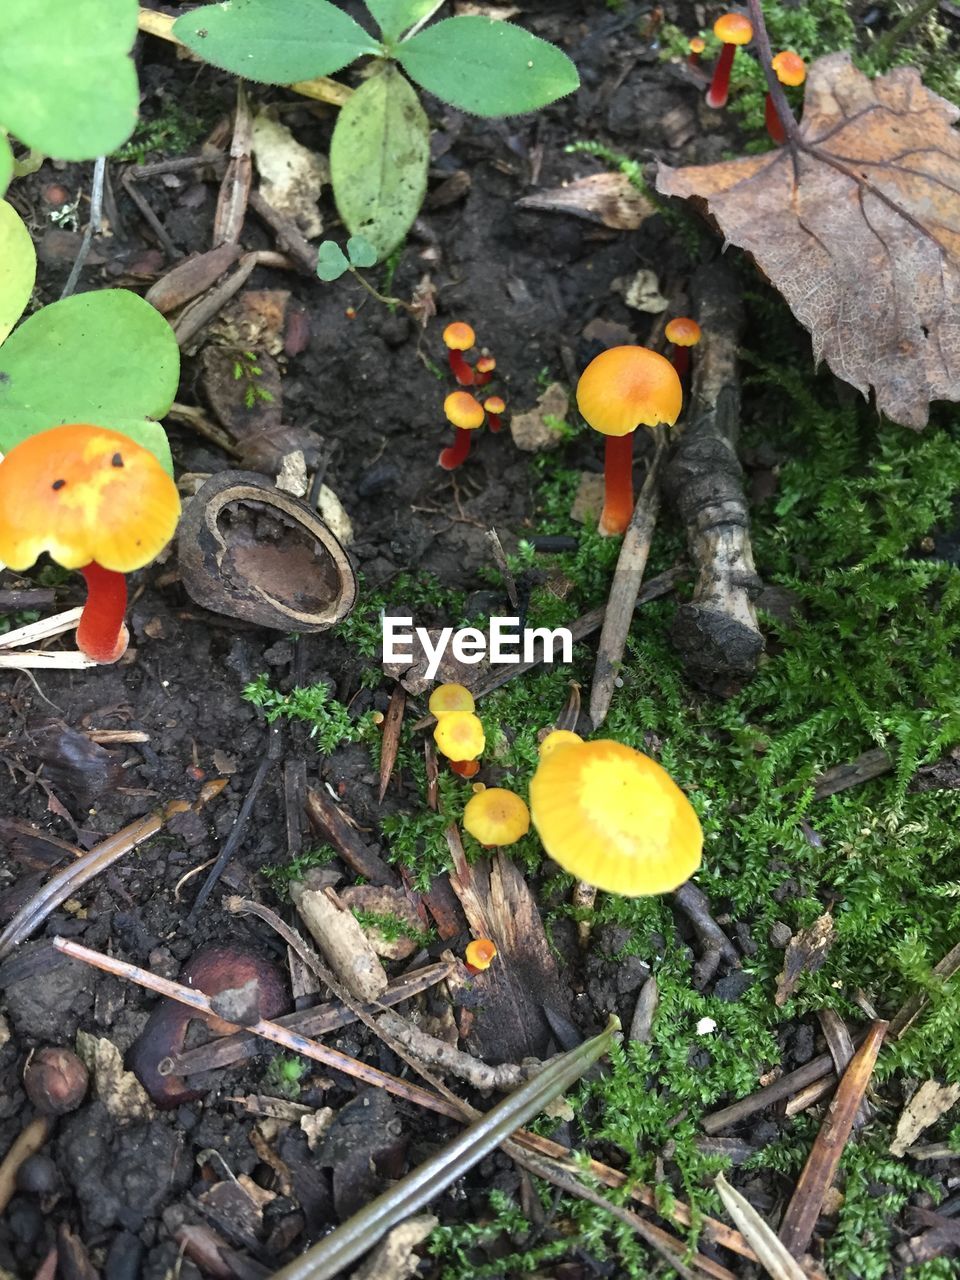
(806, 952)
(858, 226)
(931, 1101)
(610, 198)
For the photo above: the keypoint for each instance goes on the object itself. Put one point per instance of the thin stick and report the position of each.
(93, 225)
(67, 882)
(40, 659)
(774, 87)
(42, 629)
(29, 1141)
(627, 580)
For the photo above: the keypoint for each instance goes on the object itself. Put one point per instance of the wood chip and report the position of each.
(608, 198)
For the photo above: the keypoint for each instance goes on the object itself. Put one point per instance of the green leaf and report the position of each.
(361, 252)
(68, 86)
(151, 435)
(276, 41)
(18, 267)
(379, 154)
(331, 263)
(6, 163)
(489, 68)
(393, 17)
(106, 358)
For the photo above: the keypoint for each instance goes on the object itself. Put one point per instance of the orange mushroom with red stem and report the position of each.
(465, 414)
(459, 337)
(483, 370)
(479, 955)
(494, 406)
(696, 45)
(620, 389)
(734, 29)
(684, 333)
(95, 501)
(459, 736)
(791, 71)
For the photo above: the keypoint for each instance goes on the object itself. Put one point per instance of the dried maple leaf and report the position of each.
(857, 223)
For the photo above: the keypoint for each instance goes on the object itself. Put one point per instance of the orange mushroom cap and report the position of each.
(485, 364)
(496, 816)
(733, 28)
(614, 818)
(463, 410)
(450, 697)
(459, 336)
(480, 954)
(459, 736)
(85, 495)
(682, 331)
(790, 68)
(494, 404)
(696, 44)
(625, 387)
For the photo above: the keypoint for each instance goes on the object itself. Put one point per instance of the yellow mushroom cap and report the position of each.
(614, 818)
(459, 736)
(480, 953)
(682, 331)
(486, 364)
(463, 410)
(85, 495)
(697, 44)
(496, 816)
(494, 404)
(557, 738)
(733, 28)
(625, 387)
(459, 336)
(450, 697)
(790, 68)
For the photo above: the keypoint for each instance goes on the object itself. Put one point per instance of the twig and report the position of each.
(695, 905)
(42, 629)
(67, 882)
(839, 777)
(627, 579)
(327, 817)
(437, 1053)
(40, 659)
(774, 1257)
(774, 87)
(129, 182)
(29, 1141)
(390, 741)
(237, 179)
(800, 1217)
(500, 559)
(287, 232)
(93, 225)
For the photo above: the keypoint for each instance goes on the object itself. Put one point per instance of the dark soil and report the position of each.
(529, 283)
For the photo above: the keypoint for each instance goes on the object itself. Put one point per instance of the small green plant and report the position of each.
(330, 721)
(68, 86)
(246, 370)
(284, 1075)
(392, 928)
(380, 148)
(284, 874)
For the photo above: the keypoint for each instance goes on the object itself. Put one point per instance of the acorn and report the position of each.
(55, 1080)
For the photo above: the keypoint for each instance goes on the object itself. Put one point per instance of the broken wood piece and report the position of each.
(625, 588)
(841, 1046)
(695, 905)
(42, 629)
(800, 1217)
(188, 279)
(452, 1061)
(390, 742)
(329, 820)
(237, 179)
(289, 237)
(931, 1101)
(840, 777)
(716, 632)
(771, 1252)
(345, 946)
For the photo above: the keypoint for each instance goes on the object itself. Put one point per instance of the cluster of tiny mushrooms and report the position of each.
(462, 409)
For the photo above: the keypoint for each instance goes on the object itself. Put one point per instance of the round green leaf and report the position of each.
(361, 252)
(18, 267)
(107, 358)
(274, 41)
(68, 86)
(487, 67)
(331, 264)
(393, 17)
(6, 163)
(379, 155)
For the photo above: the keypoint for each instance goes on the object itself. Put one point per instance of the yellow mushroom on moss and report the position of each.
(496, 816)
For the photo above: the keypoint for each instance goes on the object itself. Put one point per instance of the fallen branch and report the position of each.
(27, 1143)
(716, 632)
(452, 1061)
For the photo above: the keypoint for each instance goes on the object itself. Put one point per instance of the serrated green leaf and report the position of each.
(489, 68)
(393, 17)
(18, 267)
(6, 163)
(361, 252)
(106, 358)
(68, 86)
(379, 155)
(275, 41)
(331, 263)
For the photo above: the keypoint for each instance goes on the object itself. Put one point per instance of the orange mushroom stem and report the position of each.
(734, 30)
(791, 71)
(459, 337)
(494, 406)
(696, 46)
(483, 370)
(465, 414)
(683, 333)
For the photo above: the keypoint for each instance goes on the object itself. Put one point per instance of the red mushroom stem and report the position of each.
(493, 421)
(774, 124)
(618, 484)
(458, 452)
(101, 634)
(461, 370)
(680, 359)
(719, 89)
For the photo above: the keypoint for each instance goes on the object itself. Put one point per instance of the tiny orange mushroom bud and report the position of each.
(466, 769)
(496, 816)
(696, 45)
(614, 818)
(465, 413)
(459, 736)
(494, 406)
(450, 697)
(459, 337)
(96, 501)
(684, 333)
(483, 370)
(620, 389)
(791, 71)
(733, 29)
(479, 954)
